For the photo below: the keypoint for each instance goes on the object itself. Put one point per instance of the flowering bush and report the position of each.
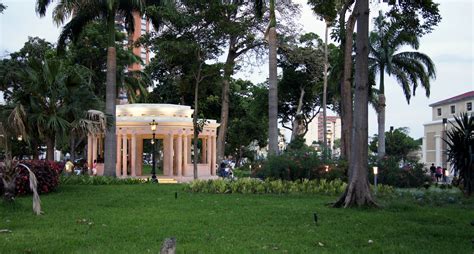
(409, 176)
(46, 172)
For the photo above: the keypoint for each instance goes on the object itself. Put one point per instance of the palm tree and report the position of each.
(272, 82)
(83, 12)
(44, 101)
(409, 68)
(460, 141)
(357, 192)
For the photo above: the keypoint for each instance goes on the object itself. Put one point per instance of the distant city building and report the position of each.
(443, 112)
(141, 27)
(314, 136)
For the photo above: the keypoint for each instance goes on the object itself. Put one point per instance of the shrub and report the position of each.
(47, 175)
(412, 175)
(292, 165)
(99, 180)
(256, 186)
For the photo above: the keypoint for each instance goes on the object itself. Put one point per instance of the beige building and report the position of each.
(315, 131)
(442, 114)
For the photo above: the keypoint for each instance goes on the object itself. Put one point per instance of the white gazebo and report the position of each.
(175, 129)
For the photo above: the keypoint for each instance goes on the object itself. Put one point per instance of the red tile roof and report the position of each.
(456, 98)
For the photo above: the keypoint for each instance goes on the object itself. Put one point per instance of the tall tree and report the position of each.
(45, 97)
(272, 82)
(81, 13)
(241, 26)
(409, 68)
(327, 10)
(358, 192)
(300, 86)
(191, 38)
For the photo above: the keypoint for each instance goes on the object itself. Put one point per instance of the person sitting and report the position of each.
(94, 168)
(221, 170)
(68, 167)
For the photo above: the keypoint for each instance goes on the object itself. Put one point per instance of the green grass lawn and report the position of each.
(146, 170)
(136, 218)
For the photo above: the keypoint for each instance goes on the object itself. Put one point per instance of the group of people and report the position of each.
(70, 168)
(438, 173)
(225, 170)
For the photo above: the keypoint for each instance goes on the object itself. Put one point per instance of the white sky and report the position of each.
(450, 46)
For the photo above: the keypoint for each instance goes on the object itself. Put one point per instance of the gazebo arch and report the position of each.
(175, 128)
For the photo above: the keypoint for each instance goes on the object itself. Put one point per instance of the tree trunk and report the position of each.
(228, 71)
(296, 123)
(9, 188)
(272, 93)
(325, 90)
(72, 147)
(110, 155)
(381, 126)
(358, 192)
(346, 90)
(50, 148)
(195, 124)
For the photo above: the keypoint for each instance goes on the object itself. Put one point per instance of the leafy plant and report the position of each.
(460, 141)
(47, 175)
(256, 186)
(99, 180)
(411, 175)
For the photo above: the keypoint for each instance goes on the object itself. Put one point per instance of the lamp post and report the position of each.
(376, 171)
(153, 125)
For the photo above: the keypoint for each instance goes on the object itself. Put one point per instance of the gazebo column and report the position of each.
(209, 154)
(213, 156)
(139, 169)
(190, 144)
(119, 154)
(166, 156)
(185, 154)
(124, 155)
(89, 151)
(171, 154)
(179, 154)
(94, 148)
(133, 157)
(204, 150)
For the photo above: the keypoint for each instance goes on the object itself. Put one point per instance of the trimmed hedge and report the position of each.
(256, 186)
(99, 180)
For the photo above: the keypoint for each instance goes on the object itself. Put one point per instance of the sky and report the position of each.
(450, 46)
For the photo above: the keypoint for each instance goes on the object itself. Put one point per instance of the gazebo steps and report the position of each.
(167, 181)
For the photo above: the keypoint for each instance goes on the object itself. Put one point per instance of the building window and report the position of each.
(453, 109)
(439, 111)
(469, 106)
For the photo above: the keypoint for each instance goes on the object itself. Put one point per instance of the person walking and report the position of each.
(439, 173)
(432, 171)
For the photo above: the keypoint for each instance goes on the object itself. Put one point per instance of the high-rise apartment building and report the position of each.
(315, 131)
(141, 27)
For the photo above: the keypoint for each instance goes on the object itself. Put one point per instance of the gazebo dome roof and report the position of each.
(154, 110)
(164, 114)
